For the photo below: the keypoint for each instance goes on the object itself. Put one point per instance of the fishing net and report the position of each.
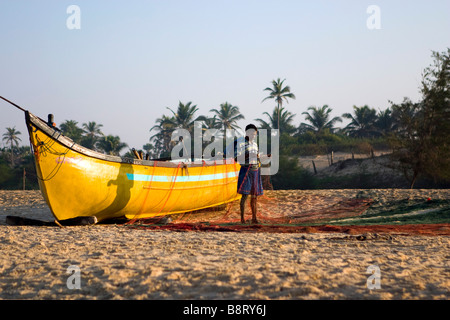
(300, 211)
(278, 211)
(284, 211)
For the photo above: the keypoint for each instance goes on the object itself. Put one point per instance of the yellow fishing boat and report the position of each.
(79, 182)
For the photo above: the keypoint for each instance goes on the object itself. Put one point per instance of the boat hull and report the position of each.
(78, 182)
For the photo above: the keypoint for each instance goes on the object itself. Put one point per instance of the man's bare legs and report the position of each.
(253, 202)
(253, 205)
(243, 199)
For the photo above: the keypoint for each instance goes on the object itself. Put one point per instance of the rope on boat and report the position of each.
(131, 221)
(44, 147)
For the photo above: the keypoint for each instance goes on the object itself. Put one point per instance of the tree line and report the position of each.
(417, 133)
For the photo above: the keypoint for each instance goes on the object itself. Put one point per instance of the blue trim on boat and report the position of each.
(205, 177)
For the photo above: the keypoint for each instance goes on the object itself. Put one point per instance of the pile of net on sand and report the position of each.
(314, 213)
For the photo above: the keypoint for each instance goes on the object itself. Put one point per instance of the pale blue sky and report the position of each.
(132, 59)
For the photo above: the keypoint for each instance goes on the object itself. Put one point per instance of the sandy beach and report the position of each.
(118, 262)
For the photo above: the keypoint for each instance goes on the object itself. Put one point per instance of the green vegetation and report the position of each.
(279, 94)
(21, 175)
(422, 140)
(292, 176)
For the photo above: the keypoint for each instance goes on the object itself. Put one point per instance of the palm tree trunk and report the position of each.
(278, 125)
(12, 155)
(415, 174)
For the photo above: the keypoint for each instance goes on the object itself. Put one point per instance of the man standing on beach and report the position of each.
(249, 182)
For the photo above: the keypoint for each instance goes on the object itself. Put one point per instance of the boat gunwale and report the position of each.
(70, 144)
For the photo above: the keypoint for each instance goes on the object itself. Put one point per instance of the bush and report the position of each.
(312, 144)
(291, 175)
(11, 178)
(6, 176)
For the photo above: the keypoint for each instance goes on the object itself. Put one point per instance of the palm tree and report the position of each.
(283, 122)
(211, 123)
(70, 128)
(111, 145)
(278, 93)
(386, 121)
(183, 118)
(12, 137)
(164, 127)
(319, 119)
(150, 150)
(92, 133)
(228, 115)
(362, 124)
